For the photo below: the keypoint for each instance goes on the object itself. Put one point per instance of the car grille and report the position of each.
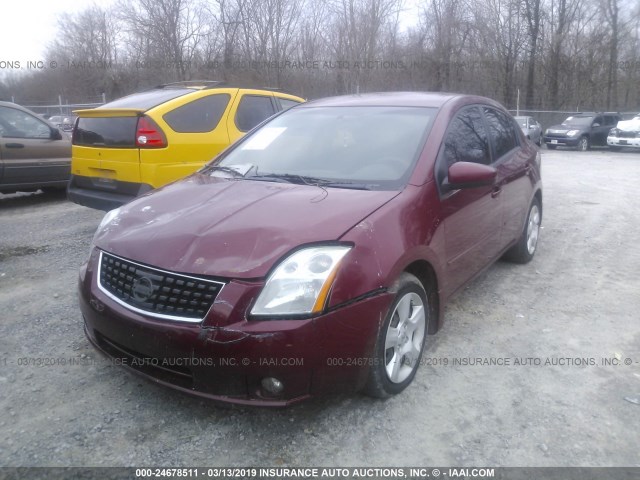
(622, 134)
(156, 292)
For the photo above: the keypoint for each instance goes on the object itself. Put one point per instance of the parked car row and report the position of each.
(129, 146)
(584, 130)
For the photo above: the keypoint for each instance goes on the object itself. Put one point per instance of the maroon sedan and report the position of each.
(317, 253)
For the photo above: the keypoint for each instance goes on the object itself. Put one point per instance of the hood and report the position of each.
(232, 228)
(561, 128)
(632, 125)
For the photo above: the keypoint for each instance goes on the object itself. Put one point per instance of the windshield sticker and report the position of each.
(263, 138)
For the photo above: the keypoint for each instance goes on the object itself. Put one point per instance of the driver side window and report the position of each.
(465, 141)
(19, 124)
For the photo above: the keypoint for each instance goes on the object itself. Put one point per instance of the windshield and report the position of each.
(578, 121)
(349, 147)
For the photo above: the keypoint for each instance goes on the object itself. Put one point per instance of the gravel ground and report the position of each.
(576, 303)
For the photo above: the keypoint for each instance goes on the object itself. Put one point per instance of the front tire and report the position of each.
(401, 340)
(583, 144)
(525, 249)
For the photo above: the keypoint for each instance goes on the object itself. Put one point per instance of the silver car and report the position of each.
(531, 128)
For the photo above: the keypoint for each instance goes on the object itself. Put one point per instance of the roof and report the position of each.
(392, 99)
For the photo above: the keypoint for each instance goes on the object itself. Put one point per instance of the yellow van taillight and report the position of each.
(149, 134)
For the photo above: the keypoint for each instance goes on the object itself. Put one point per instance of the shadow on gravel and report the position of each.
(22, 251)
(26, 199)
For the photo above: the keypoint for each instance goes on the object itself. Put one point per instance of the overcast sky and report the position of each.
(29, 25)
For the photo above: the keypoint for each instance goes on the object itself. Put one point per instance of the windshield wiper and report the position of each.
(222, 168)
(311, 181)
(351, 185)
(271, 178)
(290, 178)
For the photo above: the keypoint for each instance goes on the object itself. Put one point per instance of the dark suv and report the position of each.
(582, 130)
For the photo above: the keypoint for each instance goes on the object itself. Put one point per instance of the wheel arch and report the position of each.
(538, 195)
(426, 274)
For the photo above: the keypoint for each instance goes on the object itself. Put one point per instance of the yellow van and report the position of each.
(140, 142)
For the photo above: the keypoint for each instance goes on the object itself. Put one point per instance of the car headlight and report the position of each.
(546, 132)
(572, 133)
(301, 283)
(109, 217)
(613, 132)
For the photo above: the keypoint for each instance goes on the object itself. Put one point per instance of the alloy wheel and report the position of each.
(533, 229)
(404, 339)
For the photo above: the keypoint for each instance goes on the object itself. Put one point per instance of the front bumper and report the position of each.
(226, 356)
(561, 141)
(623, 142)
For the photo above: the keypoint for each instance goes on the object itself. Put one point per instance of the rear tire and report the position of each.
(401, 340)
(525, 249)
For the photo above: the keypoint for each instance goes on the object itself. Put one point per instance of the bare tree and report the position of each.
(500, 23)
(562, 13)
(611, 11)
(532, 16)
(446, 32)
(580, 54)
(166, 32)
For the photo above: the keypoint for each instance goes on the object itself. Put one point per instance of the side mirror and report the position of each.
(470, 175)
(55, 134)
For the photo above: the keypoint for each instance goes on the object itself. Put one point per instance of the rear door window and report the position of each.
(200, 116)
(501, 130)
(253, 109)
(118, 132)
(610, 120)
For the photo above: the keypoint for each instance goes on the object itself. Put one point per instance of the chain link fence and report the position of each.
(60, 106)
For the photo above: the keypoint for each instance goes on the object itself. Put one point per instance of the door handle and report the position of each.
(14, 145)
(496, 191)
